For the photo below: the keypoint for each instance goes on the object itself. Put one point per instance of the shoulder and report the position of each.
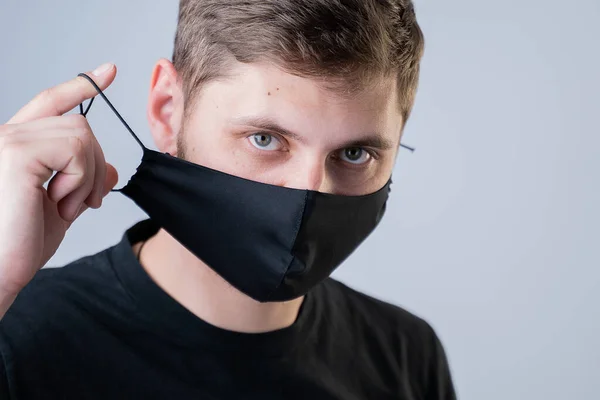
(383, 316)
(61, 302)
(57, 318)
(89, 279)
(391, 337)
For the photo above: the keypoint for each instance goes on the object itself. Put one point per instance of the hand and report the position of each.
(38, 141)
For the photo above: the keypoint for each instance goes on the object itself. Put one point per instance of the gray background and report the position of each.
(493, 226)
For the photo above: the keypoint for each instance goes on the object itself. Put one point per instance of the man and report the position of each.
(277, 125)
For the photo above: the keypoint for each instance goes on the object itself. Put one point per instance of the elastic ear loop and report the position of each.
(84, 113)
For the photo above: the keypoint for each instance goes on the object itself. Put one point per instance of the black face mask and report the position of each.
(270, 242)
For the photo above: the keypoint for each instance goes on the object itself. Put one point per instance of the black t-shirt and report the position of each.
(100, 328)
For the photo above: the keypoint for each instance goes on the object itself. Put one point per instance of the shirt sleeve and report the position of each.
(439, 380)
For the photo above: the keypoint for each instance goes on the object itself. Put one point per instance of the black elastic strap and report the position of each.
(408, 148)
(84, 113)
(111, 107)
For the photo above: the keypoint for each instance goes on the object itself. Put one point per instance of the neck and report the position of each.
(204, 293)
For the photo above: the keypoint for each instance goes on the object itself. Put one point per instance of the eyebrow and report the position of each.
(375, 140)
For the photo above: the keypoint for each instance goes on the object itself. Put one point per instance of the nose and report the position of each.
(309, 173)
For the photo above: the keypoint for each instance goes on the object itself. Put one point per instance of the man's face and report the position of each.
(269, 126)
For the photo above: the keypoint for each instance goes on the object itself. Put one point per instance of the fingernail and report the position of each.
(102, 69)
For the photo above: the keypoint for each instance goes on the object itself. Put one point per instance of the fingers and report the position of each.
(69, 125)
(31, 163)
(78, 185)
(27, 130)
(110, 181)
(63, 126)
(64, 97)
(31, 159)
(39, 140)
(94, 199)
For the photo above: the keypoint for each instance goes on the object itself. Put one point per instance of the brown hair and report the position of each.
(344, 43)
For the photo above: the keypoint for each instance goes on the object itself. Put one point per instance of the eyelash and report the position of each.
(374, 155)
(273, 135)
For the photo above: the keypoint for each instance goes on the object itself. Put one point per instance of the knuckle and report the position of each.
(77, 120)
(44, 95)
(79, 123)
(11, 153)
(6, 135)
(83, 134)
(76, 145)
(8, 129)
(47, 97)
(81, 80)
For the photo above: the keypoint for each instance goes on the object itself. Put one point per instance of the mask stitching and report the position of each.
(297, 229)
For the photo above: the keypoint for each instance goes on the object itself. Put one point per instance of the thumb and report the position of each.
(112, 177)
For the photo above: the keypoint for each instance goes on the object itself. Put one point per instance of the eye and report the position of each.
(355, 155)
(264, 141)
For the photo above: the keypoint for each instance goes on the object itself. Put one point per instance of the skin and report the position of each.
(260, 123)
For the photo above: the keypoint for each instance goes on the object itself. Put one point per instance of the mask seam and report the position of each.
(297, 228)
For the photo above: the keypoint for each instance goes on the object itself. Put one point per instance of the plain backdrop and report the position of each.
(492, 229)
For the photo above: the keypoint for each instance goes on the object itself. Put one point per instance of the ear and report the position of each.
(165, 106)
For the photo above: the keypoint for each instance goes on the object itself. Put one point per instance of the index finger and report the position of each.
(60, 99)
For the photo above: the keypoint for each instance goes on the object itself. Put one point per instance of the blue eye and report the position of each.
(264, 141)
(355, 155)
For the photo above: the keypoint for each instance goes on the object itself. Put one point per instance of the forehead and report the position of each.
(307, 105)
